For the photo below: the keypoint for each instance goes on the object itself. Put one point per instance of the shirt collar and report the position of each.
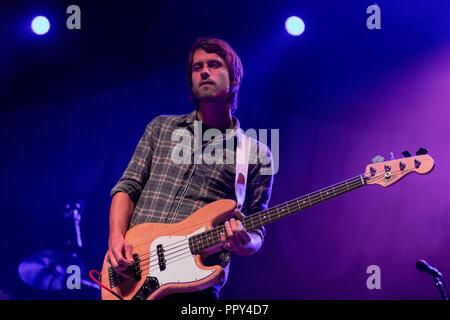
(192, 117)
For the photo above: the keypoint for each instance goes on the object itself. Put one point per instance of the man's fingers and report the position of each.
(226, 243)
(119, 269)
(228, 229)
(235, 235)
(244, 237)
(112, 260)
(233, 224)
(129, 252)
(236, 225)
(122, 262)
(240, 226)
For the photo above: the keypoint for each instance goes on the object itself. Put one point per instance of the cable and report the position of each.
(91, 275)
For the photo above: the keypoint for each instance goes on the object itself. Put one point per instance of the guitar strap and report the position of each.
(242, 156)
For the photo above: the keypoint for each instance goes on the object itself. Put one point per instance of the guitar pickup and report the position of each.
(136, 267)
(161, 257)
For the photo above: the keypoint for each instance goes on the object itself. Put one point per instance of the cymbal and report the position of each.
(47, 270)
(5, 295)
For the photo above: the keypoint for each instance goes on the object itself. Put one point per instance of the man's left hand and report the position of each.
(237, 239)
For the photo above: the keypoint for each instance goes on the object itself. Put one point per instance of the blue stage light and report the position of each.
(294, 26)
(40, 25)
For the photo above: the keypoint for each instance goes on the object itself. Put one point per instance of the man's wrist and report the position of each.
(115, 236)
(252, 246)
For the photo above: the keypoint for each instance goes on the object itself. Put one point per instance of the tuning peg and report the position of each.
(421, 151)
(392, 156)
(406, 154)
(377, 159)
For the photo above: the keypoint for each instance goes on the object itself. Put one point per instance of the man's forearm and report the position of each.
(119, 217)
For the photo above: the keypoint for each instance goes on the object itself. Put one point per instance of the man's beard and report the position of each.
(210, 97)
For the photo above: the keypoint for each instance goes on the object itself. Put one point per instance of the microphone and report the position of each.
(423, 266)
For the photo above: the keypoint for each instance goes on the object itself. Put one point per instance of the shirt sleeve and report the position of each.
(259, 186)
(137, 172)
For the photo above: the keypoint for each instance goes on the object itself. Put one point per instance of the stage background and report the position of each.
(74, 104)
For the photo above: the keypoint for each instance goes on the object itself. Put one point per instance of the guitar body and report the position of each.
(163, 258)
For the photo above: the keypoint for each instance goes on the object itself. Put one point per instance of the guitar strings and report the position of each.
(216, 234)
(202, 223)
(186, 249)
(314, 199)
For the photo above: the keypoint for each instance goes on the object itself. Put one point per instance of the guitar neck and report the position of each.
(211, 237)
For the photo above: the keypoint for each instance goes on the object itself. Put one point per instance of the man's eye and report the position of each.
(196, 68)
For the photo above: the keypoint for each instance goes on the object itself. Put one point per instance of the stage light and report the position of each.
(294, 26)
(40, 25)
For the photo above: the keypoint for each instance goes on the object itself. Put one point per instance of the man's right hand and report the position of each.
(120, 255)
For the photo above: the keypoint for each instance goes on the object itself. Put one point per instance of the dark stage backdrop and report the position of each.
(75, 103)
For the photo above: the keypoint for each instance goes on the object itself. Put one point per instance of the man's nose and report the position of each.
(204, 75)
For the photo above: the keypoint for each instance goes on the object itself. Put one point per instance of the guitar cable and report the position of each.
(97, 281)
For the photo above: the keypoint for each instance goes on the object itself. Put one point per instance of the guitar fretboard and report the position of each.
(211, 237)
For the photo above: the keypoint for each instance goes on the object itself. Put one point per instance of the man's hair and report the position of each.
(232, 61)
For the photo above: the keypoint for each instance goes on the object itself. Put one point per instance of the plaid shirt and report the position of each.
(166, 192)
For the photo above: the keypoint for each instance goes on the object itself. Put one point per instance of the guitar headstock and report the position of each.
(386, 173)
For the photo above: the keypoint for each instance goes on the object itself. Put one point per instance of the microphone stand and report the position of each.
(440, 283)
(76, 213)
(438, 278)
